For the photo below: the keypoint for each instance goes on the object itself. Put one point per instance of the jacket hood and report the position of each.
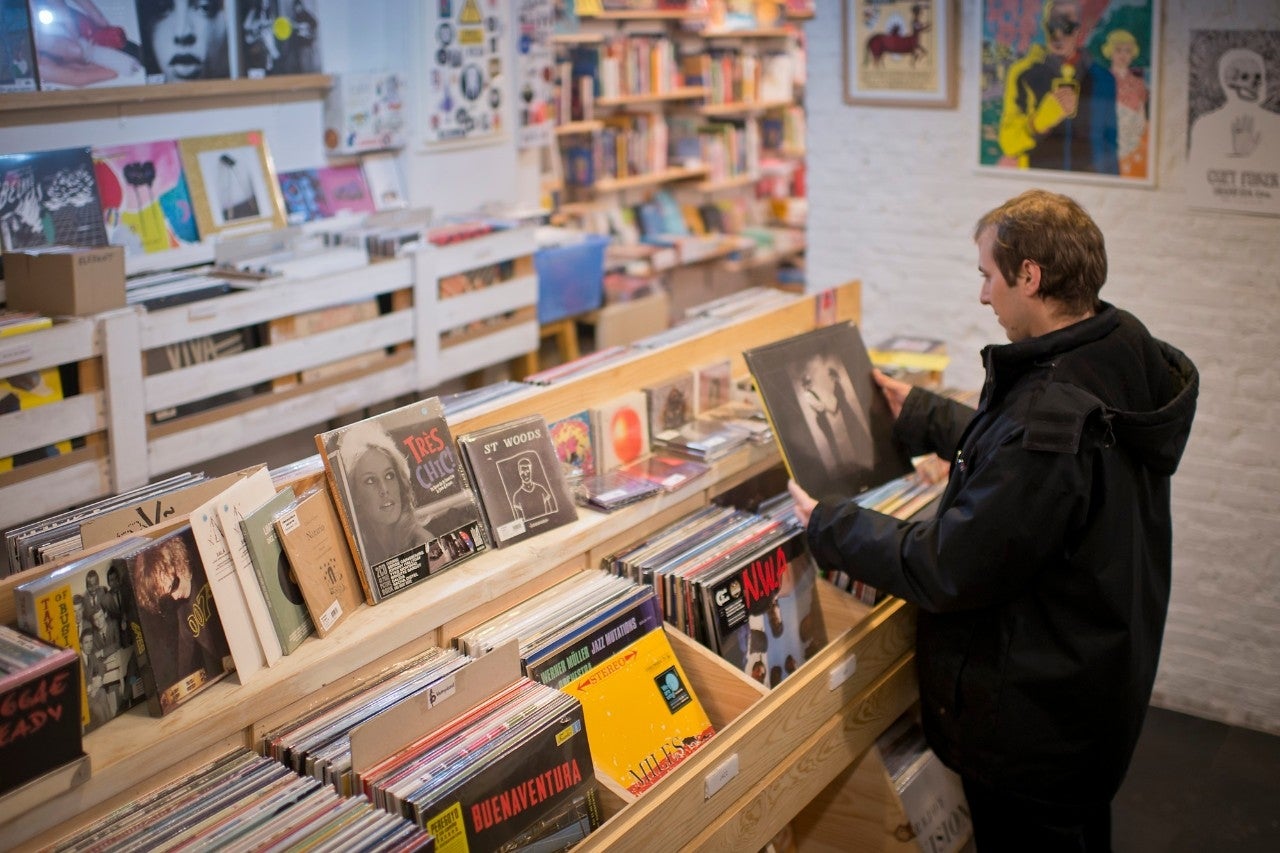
(1145, 388)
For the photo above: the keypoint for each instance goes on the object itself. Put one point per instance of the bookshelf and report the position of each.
(773, 754)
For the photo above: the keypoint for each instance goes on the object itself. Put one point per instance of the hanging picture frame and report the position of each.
(900, 53)
(232, 182)
(1068, 88)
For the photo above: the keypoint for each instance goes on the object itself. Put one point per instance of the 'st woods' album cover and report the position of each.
(831, 420)
(406, 506)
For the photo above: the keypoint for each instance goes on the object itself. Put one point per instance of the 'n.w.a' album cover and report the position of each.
(403, 496)
(831, 420)
(145, 203)
(763, 615)
(518, 475)
(49, 198)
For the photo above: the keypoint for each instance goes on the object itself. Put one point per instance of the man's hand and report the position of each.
(895, 391)
(804, 503)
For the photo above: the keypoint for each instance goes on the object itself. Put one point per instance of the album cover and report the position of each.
(180, 644)
(146, 206)
(572, 439)
(17, 53)
(278, 37)
(182, 42)
(832, 423)
(518, 475)
(610, 490)
(763, 615)
(49, 198)
(403, 497)
(87, 45)
(620, 430)
(711, 386)
(667, 472)
(275, 575)
(670, 404)
(313, 540)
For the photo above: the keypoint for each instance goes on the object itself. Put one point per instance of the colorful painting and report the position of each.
(900, 53)
(145, 203)
(1068, 86)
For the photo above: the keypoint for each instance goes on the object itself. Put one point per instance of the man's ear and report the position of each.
(1029, 277)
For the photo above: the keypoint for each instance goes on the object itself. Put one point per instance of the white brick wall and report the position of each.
(893, 199)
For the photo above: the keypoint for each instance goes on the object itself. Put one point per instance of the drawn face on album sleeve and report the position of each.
(184, 39)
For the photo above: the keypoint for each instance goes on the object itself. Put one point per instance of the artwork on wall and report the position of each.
(900, 53)
(82, 46)
(185, 41)
(232, 182)
(1069, 86)
(1233, 121)
(535, 73)
(278, 37)
(463, 95)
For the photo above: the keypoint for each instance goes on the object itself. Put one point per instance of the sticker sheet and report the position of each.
(465, 77)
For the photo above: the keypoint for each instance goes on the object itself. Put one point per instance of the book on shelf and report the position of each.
(39, 708)
(403, 496)
(179, 640)
(81, 607)
(518, 476)
(642, 715)
(314, 542)
(832, 423)
(271, 566)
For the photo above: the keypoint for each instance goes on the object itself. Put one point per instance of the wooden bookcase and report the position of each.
(774, 751)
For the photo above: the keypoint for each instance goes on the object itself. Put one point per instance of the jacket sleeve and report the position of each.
(1006, 522)
(931, 423)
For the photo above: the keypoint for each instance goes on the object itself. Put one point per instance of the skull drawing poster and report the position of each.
(464, 89)
(1233, 121)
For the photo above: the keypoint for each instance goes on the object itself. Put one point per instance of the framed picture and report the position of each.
(232, 182)
(1232, 112)
(900, 53)
(1069, 87)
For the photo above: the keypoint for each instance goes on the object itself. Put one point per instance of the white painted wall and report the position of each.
(893, 201)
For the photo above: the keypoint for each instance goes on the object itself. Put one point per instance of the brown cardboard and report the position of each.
(623, 323)
(74, 281)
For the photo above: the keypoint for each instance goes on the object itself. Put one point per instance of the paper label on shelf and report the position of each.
(721, 776)
(842, 672)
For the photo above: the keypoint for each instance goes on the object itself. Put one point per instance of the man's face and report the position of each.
(183, 37)
(1062, 30)
(526, 471)
(1007, 302)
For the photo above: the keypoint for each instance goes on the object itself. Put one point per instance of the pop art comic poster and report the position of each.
(1233, 121)
(1069, 87)
(535, 73)
(465, 73)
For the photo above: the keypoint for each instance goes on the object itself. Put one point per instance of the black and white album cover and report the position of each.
(278, 37)
(520, 479)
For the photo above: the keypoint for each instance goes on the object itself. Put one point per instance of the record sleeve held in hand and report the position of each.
(832, 423)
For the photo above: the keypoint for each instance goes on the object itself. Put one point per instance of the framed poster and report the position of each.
(464, 71)
(900, 53)
(1233, 121)
(1069, 87)
(535, 73)
(232, 182)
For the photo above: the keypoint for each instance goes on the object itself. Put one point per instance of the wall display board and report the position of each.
(1069, 86)
(535, 78)
(464, 76)
(1233, 121)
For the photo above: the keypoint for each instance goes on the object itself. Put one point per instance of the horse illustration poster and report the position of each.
(900, 52)
(1069, 86)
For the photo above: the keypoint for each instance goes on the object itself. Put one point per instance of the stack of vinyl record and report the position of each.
(246, 802)
(319, 743)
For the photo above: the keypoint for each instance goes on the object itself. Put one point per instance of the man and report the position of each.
(1059, 104)
(530, 500)
(1043, 579)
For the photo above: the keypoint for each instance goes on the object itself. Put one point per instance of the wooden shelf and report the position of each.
(647, 15)
(198, 94)
(573, 127)
(731, 183)
(577, 38)
(743, 107)
(688, 93)
(758, 33)
(653, 179)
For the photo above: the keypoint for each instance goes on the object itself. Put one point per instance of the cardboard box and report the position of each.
(65, 280)
(627, 322)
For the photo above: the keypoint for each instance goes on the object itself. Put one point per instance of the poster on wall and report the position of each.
(535, 75)
(1233, 121)
(464, 71)
(900, 53)
(1068, 86)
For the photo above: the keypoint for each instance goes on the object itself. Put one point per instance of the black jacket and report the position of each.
(1043, 581)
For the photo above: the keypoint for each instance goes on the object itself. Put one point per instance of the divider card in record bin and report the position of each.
(570, 278)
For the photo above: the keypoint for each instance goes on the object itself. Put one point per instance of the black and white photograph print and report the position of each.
(1233, 121)
(184, 40)
(232, 182)
(278, 37)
